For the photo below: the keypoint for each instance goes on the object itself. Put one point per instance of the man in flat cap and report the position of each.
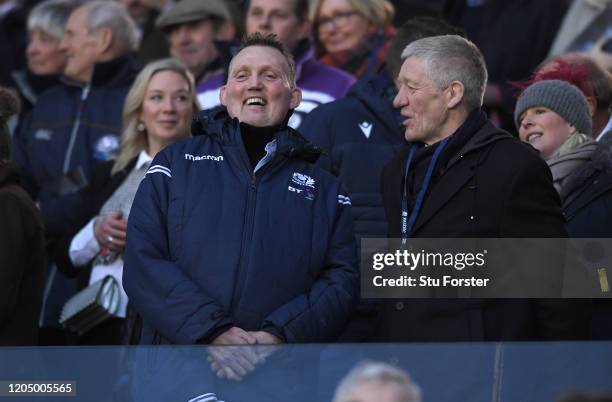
(192, 27)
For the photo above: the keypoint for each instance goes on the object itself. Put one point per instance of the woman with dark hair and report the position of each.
(22, 245)
(157, 111)
(353, 35)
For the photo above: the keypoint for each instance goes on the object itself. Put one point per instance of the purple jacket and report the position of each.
(319, 84)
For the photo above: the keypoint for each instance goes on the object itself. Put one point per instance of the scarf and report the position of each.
(367, 58)
(573, 153)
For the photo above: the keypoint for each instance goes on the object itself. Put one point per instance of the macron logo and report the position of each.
(190, 157)
(366, 128)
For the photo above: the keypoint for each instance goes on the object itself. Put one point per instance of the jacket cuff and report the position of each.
(207, 339)
(275, 331)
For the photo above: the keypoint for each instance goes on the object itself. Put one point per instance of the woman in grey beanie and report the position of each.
(554, 117)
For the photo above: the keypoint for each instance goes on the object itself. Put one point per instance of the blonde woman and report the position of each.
(353, 35)
(158, 111)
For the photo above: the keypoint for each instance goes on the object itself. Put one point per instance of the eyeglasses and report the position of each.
(338, 20)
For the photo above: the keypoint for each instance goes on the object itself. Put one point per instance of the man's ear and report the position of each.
(296, 98)
(222, 95)
(104, 40)
(592, 101)
(455, 93)
(226, 32)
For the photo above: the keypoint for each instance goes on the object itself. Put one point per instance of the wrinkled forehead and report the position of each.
(259, 58)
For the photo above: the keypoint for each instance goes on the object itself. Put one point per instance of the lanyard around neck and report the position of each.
(409, 217)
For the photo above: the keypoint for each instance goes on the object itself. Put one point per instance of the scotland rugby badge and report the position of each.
(106, 147)
(303, 180)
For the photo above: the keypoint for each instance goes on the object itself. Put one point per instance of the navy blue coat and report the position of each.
(587, 205)
(212, 245)
(359, 135)
(68, 132)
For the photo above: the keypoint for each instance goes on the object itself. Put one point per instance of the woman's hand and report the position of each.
(110, 231)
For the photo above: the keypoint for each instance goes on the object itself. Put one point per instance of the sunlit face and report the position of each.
(340, 27)
(423, 106)
(167, 109)
(277, 17)
(258, 91)
(81, 46)
(192, 44)
(544, 129)
(44, 54)
(375, 391)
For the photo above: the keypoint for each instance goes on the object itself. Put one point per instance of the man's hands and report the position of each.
(232, 361)
(110, 231)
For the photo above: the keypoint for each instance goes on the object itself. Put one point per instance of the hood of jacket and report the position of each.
(217, 124)
(376, 94)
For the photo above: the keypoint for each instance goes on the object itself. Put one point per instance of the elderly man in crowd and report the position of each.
(463, 177)
(77, 124)
(220, 217)
(289, 21)
(192, 27)
(377, 382)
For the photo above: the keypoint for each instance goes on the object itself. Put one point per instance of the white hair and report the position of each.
(378, 372)
(451, 58)
(102, 14)
(51, 16)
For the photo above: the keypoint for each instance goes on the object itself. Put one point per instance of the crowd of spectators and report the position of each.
(105, 85)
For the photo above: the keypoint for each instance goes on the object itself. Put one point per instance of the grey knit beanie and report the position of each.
(559, 96)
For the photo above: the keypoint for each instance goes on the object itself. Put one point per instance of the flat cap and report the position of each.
(193, 10)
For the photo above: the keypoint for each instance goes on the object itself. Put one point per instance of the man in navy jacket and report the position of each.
(235, 237)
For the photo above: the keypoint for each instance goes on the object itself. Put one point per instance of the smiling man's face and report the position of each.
(258, 91)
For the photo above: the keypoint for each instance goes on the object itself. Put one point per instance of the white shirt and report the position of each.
(84, 247)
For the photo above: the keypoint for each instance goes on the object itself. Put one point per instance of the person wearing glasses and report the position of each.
(353, 35)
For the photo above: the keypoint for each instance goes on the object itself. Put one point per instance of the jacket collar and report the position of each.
(218, 125)
(119, 72)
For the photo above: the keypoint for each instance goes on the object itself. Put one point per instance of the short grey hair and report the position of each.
(102, 14)
(51, 16)
(379, 372)
(451, 58)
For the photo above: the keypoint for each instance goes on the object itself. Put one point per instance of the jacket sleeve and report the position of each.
(12, 255)
(157, 286)
(321, 314)
(533, 210)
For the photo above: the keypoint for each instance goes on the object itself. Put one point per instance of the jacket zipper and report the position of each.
(75, 129)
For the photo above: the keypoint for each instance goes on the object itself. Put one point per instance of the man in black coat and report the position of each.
(481, 183)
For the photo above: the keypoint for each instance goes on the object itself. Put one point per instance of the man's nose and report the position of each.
(63, 46)
(254, 81)
(400, 100)
(265, 23)
(181, 34)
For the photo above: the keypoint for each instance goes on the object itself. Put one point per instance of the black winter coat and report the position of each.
(587, 205)
(493, 187)
(22, 262)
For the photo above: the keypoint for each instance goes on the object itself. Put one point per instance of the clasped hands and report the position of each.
(239, 352)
